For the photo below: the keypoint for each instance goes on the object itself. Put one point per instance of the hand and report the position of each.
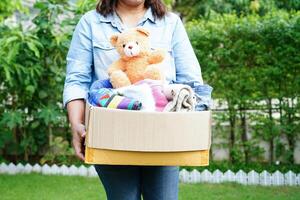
(119, 79)
(78, 131)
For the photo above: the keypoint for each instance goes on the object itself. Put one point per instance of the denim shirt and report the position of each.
(91, 53)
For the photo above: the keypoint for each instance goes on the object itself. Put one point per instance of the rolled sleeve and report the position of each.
(79, 63)
(186, 63)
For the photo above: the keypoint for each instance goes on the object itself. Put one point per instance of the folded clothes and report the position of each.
(157, 87)
(181, 98)
(202, 93)
(108, 98)
(148, 92)
(141, 93)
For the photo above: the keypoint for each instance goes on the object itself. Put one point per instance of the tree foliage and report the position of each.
(8, 7)
(253, 65)
(193, 9)
(32, 63)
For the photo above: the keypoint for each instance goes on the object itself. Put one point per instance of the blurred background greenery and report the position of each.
(249, 51)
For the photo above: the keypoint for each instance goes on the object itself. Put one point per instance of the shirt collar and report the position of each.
(113, 18)
(149, 15)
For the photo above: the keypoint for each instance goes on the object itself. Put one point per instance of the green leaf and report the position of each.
(40, 5)
(12, 119)
(10, 40)
(33, 48)
(43, 94)
(30, 88)
(35, 124)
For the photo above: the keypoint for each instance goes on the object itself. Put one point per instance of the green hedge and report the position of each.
(32, 71)
(253, 63)
(194, 9)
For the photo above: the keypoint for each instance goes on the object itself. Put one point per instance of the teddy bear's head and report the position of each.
(131, 43)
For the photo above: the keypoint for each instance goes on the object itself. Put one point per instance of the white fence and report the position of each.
(252, 178)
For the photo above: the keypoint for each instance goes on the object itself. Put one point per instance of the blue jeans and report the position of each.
(130, 182)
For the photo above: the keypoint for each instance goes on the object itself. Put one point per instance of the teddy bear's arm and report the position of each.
(156, 56)
(119, 79)
(115, 66)
(117, 76)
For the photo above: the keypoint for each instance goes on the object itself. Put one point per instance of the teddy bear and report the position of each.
(137, 61)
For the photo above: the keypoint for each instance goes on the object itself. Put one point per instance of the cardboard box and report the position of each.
(123, 137)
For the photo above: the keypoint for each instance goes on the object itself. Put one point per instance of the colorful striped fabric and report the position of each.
(107, 98)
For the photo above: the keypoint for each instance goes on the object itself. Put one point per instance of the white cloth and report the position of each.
(141, 93)
(181, 98)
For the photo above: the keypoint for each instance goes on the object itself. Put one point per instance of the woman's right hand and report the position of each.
(76, 117)
(78, 131)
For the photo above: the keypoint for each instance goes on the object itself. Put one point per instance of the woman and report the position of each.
(89, 56)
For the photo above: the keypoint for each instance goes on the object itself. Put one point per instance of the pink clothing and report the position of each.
(157, 91)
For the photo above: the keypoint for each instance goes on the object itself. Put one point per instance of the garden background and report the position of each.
(249, 51)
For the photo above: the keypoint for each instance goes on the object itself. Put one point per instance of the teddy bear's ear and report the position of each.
(114, 39)
(143, 31)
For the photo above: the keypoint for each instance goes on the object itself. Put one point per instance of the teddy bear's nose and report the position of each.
(130, 47)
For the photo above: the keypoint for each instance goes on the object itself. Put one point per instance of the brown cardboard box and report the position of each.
(126, 137)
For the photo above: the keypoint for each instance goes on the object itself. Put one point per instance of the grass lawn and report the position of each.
(42, 187)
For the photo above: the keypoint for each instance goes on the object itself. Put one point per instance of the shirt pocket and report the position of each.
(168, 64)
(104, 54)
